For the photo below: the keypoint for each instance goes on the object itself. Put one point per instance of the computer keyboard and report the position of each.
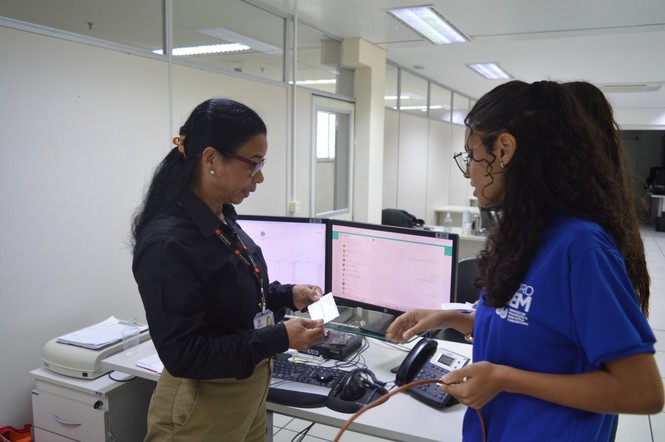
(304, 385)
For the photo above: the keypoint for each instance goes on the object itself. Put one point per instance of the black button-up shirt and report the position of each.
(200, 299)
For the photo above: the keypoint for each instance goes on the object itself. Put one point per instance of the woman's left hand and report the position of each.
(304, 295)
(474, 385)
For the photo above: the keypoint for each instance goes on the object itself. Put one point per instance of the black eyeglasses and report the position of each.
(462, 159)
(256, 166)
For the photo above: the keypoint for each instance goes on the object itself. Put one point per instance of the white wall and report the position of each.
(82, 130)
(419, 174)
(440, 167)
(412, 157)
(390, 159)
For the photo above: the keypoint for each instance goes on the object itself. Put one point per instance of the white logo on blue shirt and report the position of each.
(517, 308)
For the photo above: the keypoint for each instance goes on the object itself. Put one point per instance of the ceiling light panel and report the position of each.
(429, 23)
(206, 49)
(491, 71)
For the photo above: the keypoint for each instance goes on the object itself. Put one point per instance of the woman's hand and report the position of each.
(303, 333)
(474, 385)
(304, 295)
(416, 321)
(631, 384)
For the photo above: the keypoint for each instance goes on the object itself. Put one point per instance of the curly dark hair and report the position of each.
(569, 161)
(221, 123)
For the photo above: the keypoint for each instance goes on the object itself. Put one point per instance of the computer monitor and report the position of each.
(390, 269)
(294, 248)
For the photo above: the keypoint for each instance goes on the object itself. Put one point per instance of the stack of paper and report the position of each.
(99, 335)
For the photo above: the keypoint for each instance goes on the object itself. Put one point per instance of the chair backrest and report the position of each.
(466, 273)
(399, 218)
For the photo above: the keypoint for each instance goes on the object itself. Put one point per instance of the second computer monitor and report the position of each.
(390, 269)
(294, 248)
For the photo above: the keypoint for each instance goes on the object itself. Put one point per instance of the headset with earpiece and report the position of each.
(359, 389)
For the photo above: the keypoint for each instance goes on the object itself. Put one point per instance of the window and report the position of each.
(326, 135)
(318, 63)
(332, 153)
(250, 40)
(440, 99)
(460, 108)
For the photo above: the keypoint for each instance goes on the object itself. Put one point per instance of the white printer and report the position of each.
(80, 362)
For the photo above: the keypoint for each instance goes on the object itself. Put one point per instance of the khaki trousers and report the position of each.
(228, 410)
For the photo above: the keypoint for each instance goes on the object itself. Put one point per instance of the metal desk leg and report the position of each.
(269, 427)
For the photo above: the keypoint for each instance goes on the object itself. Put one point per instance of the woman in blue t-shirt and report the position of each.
(561, 341)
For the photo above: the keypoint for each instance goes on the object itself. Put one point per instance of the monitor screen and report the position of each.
(390, 269)
(294, 248)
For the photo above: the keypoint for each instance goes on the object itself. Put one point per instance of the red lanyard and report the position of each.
(246, 258)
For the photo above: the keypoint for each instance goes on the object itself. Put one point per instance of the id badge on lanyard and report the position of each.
(265, 317)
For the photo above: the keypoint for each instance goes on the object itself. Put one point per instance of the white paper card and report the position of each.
(325, 308)
(459, 306)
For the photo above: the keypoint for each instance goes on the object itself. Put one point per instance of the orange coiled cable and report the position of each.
(384, 398)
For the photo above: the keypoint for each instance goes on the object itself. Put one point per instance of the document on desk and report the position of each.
(99, 335)
(152, 363)
(325, 308)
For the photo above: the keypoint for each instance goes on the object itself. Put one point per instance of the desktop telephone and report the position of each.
(427, 361)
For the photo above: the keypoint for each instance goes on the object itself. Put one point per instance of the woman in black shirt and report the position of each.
(212, 312)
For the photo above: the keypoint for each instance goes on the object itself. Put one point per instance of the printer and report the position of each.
(79, 362)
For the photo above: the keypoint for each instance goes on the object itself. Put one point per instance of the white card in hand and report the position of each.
(325, 308)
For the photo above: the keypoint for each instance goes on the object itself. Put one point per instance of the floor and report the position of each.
(631, 428)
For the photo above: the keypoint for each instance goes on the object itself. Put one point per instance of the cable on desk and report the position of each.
(384, 398)
(357, 359)
(120, 380)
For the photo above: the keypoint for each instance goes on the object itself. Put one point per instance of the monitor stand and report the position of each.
(378, 326)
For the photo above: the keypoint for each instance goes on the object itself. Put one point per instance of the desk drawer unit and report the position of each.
(47, 436)
(72, 419)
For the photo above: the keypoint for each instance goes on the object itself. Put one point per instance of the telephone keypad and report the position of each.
(431, 393)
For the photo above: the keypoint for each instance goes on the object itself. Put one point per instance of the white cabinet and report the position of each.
(112, 408)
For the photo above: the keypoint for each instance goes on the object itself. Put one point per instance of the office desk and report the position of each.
(401, 418)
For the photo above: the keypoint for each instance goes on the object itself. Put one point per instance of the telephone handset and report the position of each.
(427, 361)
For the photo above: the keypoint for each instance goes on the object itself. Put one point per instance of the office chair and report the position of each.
(466, 292)
(400, 218)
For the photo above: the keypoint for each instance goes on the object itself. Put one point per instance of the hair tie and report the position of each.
(179, 141)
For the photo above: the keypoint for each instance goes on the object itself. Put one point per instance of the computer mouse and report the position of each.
(323, 376)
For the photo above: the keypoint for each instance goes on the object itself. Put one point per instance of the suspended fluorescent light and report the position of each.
(490, 71)
(429, 23)
(394, 97)
(420, 108)
(230, 36)
(206, 49)
(320, 81)
(629, 87)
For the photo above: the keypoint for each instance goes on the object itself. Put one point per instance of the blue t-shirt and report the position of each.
(575, 310)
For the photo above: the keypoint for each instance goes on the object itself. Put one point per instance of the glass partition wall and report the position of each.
(410, 93)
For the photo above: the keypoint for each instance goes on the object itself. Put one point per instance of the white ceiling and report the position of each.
(601, 41)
